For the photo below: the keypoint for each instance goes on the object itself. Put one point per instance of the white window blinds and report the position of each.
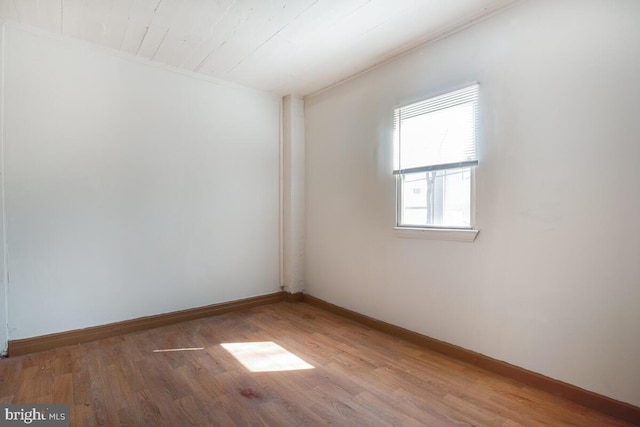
(437, 133)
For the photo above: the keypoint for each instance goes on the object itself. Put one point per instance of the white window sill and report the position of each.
(452, 234)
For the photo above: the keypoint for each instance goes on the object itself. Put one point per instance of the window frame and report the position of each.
(453, 233)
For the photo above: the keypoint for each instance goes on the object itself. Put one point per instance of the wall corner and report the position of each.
(293, 193)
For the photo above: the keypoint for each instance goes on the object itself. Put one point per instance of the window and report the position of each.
(434, 158)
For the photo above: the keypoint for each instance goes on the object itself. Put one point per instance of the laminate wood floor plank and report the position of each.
(181, 375)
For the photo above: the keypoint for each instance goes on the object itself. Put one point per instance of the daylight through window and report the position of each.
(434, 157)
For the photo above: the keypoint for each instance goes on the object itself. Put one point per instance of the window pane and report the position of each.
(437, 198)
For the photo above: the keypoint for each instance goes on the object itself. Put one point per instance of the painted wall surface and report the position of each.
(552, 283)
(3, 284)
(131, 190)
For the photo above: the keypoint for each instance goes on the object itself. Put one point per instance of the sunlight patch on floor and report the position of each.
(265, 357)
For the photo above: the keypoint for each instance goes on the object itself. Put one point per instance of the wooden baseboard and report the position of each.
(570, 392)
(297, 297)
(51, 341)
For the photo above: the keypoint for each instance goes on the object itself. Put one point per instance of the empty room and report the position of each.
(320, 212)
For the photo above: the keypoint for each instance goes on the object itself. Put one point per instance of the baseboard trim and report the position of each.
(52, 341)
(570, 392)
(293, 297)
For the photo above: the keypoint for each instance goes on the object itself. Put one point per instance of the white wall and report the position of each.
(552, 282)
(3, 282)
(131, 190)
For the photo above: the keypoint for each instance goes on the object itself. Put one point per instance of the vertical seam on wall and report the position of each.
(5, 260)
(281, 197)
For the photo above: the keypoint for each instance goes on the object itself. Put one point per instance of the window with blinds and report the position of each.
(434, 157)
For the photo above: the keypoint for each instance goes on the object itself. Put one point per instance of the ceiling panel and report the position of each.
(283, 46)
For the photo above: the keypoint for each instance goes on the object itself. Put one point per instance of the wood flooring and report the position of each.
(358, 377)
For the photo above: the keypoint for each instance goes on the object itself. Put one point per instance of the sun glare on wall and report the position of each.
(265, 357)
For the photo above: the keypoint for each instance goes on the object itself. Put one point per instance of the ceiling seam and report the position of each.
(274, 35)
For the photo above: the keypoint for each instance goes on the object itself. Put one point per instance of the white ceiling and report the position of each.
(283, 46)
